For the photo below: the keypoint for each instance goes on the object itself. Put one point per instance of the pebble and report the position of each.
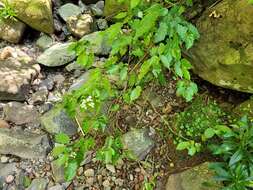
(4, 159)
(80, 171)
(106, 183)
(9, 179)
(100, 179)
(89, 173)
(119, 182)
(111, 168)
(131, 177)
(90, 181)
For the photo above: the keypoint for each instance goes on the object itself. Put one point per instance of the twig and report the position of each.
(79, 126)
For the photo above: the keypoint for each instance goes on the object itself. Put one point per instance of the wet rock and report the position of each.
(19, 113)
(16, 73)
(11, 30)
(80, 25)
(57, 121)
(56, 55)
(138, 142)
(79, 82)
(69, 10)
(58, 172)
(37, 14)
(197, 178)
(224, 53)
(44, 42)
(38, 184)
(23, 144)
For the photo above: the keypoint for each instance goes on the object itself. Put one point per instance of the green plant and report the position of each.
(197, 124)
(236, 150)
(7, 11)
(146, 42)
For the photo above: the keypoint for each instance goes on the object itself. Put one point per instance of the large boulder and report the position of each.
(35, 13)
(224, 53)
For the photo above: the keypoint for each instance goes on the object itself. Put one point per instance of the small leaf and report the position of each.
(70, 170)
(209, 133)
(121, 15)
(134, 3)
(135, 94)
(166, 60)
(183, 145)
(58, 150)
(161, 32)
(237, 156)
(62, 138)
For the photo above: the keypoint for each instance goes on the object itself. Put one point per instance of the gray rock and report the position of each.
(44, 42)
(79, 82)
(38, 184)
(98, 44)
(74, 66)
(197, 178)
(20, 114)
(57, 121)
(138, 142)
(16, 73)
(7, 169)
(11, 30)
(101, 24)
(39, 97)
(56, 187)
(69, 10)
(58, 172)
(23, 144)
(48, 83)
(80, 25)
(96, 10)
(56, 55)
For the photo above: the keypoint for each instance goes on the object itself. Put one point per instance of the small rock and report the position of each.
(56, 55)
(119, 182)
(58, 172)
(69, 10)
(111, 168)
(59, 79)
(56, 187)
(4, 124)
(90, 181)
(44, 42)
(74, 66)
(38, 184)
(9, 179)
(131, 177)
(57, 121)
(80, 171)
(96, 11)
(106, 183)
(80, 25)
(48, 83)
(19, 113)
(4, 159)
(79, 82)
(138, 142)
(39, 97)
(89, 173)
(101, 24)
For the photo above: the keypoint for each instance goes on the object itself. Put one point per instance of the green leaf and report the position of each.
(161, 32)
(166, 60)
(58, 150)
(237, 156)
(135, 94)
(121, 15)
(134, 3)
(62, 160)
(123, 73)
(183, 145)
(62, 138)
(70, 170)
(209, 133)
(178, 69)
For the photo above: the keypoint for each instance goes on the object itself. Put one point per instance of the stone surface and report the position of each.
(35, 13)
(224, 53)
(16, 73)
(245, 108)
(4, 124)
(56, 187)
(23, 144)
(44, 42)
(79, 82)
(19, 113)
(197, 178)
(69, 10)
(7, 169)
(38, 184)
(80, 25)
(11, 30)
(39, 97)
(56, 55)
(58, 172)
(138, 142)
(57, 121)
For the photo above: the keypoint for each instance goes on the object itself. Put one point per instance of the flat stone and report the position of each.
(79, 82)
(69, 10)
(19, 113)
(197, 178)
(16, 73)
(11, 30)
(57, 121)
(38, 184)
(58, 172)
(7, 169)
(56, 187)
(23, 144)
(44, 42)
(56, 55)
(138, 142)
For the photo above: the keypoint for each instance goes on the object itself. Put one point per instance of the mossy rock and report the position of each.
(245, 108)
(224, 53)
(112, 7)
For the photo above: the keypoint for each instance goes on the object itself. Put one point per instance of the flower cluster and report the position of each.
(87, 103)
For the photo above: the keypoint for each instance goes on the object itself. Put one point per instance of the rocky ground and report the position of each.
(36, 72)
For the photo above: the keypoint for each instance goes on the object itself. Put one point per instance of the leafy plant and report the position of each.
(7, 11)
(236, 150)
(197, 124)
